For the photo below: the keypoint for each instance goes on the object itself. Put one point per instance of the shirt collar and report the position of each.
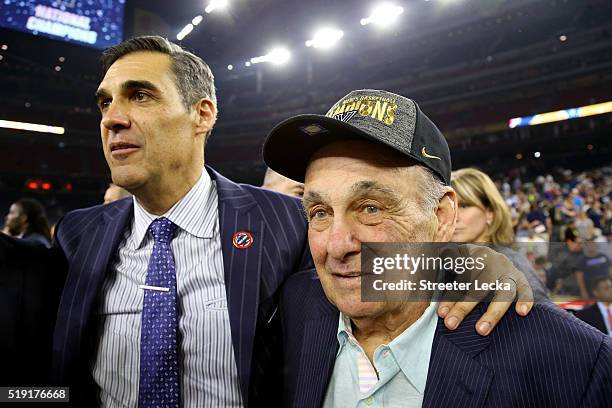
(345, 331)
(411, 349)
(192, 213)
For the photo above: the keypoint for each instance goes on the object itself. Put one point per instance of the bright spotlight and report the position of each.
(183, 33)
(230, 67)
(197, 20)
(537, 155)
(279, 56)
(325, 38)
(247, 64)
(216, 5)
(383, 15)
(276, 56)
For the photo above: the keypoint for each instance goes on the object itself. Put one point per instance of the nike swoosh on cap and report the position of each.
(429, 156)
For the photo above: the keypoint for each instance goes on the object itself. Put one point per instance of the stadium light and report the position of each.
(197, 20)
(230, 67)
(33, 127)
(183, 33)
(216, 5)
(276, 56)
(383, 15)
(325, 38)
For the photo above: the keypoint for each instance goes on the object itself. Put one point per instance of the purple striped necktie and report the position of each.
(159, 372)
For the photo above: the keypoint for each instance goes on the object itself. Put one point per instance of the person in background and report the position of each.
(27, 220)
(484, 217)
(31, 282)
(540, 267)
(599, 314)
(281, 184)
(584, 225)
(114, 193)
(591, 265)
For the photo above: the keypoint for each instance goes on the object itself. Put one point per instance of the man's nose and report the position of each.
(342, 241)
(116, 117)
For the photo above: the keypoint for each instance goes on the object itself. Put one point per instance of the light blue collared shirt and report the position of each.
(402, 367)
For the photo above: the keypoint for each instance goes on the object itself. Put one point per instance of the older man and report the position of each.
(376, 169)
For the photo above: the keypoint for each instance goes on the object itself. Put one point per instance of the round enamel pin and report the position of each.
(242, 240)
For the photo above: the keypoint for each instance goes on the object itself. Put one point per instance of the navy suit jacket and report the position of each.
(547, 359)
(592, 315)
(89, 239)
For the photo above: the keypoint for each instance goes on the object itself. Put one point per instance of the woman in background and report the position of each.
(484, 217)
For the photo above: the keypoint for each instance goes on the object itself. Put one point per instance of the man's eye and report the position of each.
(370, 209)
(104, 104)
(318, 214)
(140, 96)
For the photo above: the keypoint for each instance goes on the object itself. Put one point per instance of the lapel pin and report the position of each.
(242, 240)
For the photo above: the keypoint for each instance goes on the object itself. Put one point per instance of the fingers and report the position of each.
(444, 308)
(456, 313)
(492, 316)
(502, 301)
(525, 297)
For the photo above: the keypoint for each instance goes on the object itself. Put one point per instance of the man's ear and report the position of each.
(447, 216)
(205, 113)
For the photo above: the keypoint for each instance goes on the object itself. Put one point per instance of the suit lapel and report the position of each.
(318, 353)
(455, 377)
(242, 269)
(100, 241)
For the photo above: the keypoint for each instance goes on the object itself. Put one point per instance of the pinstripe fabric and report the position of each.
(90, 239)
(547, 359)
(209, 376)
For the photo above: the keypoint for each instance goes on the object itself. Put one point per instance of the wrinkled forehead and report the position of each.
(154, 67)
(341, 173)
(357, 156)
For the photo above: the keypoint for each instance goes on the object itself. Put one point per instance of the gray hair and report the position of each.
(193, 77)
(432, 188)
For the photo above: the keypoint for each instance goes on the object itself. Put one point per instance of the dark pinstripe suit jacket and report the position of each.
(547, 359)
(89, 238)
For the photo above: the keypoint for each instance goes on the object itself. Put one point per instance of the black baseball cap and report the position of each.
(378, 116)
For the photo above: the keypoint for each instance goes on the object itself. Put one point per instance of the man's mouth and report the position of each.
(347, 275)
(122, 148)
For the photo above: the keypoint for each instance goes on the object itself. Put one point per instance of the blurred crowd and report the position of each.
(563, 224)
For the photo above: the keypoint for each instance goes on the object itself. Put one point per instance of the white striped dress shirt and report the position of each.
(208, 372)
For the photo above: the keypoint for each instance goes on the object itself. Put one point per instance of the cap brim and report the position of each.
(289, 146)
